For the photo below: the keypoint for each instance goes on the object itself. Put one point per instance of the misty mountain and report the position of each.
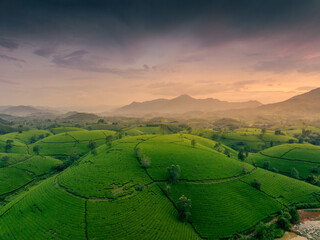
(180, 105)
(20, 111)
(76, 116)
(304, 105)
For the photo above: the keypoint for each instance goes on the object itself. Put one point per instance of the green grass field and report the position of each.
(65, 143)
(22, 169)
(107, 195)
(303, 157)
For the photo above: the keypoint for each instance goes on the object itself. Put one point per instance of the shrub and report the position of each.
(193, 143)
(266, 165)
(184, 206)
(241, 155)
(294, 173)
(138, 153)
(139, 187)
(168, 188)
(173, 174)
(8, 146)
(109, 139)
(256, 184)
(92, 144)
(295, 217)
(4, 161)
(244, 169)
(283, 223)
(315, 170)
(145, 162)
(263, 232)
(36, 149)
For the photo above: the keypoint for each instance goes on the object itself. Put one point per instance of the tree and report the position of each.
(184, 207)
(277, 132)
(109, 139)
(256, 184)
(92, 144)
(266, 165)
(33, 139)
(36, 149)
(8, 146)
(227, 152)
(73, 156)
(312, 179)
(263, 232)
(173, 174)
(193, 143)
(163, 128)
(271, 143)
(139, 153)
(241, 155)
(101, 120)
(283, 223)
(295, 217)
(145, 162)
(294, 173)
(263, 131)
(4, 161)
(244, 169)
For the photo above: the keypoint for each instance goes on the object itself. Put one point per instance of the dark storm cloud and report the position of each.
(11, 59)
(121, 22)
(290, 64)
(9, 44)
(78, 60)
(44, 52)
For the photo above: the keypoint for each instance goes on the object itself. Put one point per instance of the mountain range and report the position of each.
(181, 105)
(306, 105)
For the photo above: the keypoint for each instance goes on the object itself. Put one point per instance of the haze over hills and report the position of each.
(304, 105)
(182, 104)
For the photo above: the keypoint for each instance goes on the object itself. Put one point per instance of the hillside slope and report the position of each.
(108, 195)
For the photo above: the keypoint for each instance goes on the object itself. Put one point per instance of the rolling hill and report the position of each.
(283, 158)
(107, 195)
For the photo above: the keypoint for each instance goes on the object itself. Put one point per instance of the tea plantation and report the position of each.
(106, 194)
(305, 158)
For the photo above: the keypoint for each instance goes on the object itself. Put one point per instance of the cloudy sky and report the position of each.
(94, 52)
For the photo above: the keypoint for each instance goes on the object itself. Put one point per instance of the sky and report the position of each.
(62, 53)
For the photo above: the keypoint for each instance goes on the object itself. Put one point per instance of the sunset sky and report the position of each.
(68, 52)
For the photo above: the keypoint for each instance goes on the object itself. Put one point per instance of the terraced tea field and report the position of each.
(303, 157)
(65, 143)
(107, 195)
(22, 169)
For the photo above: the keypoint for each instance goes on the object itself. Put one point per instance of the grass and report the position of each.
(196, 163)
(12, 178)
(23, 169)
(59, 130)
(223, 209)
(108, 169)
(98, 196)
(148, 215)
(285, 189)
(25, 136)
(66, 143)
(302, 157)
(47, 212)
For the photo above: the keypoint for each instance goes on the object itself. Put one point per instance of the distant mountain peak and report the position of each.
(181, 105)
(184, 96)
